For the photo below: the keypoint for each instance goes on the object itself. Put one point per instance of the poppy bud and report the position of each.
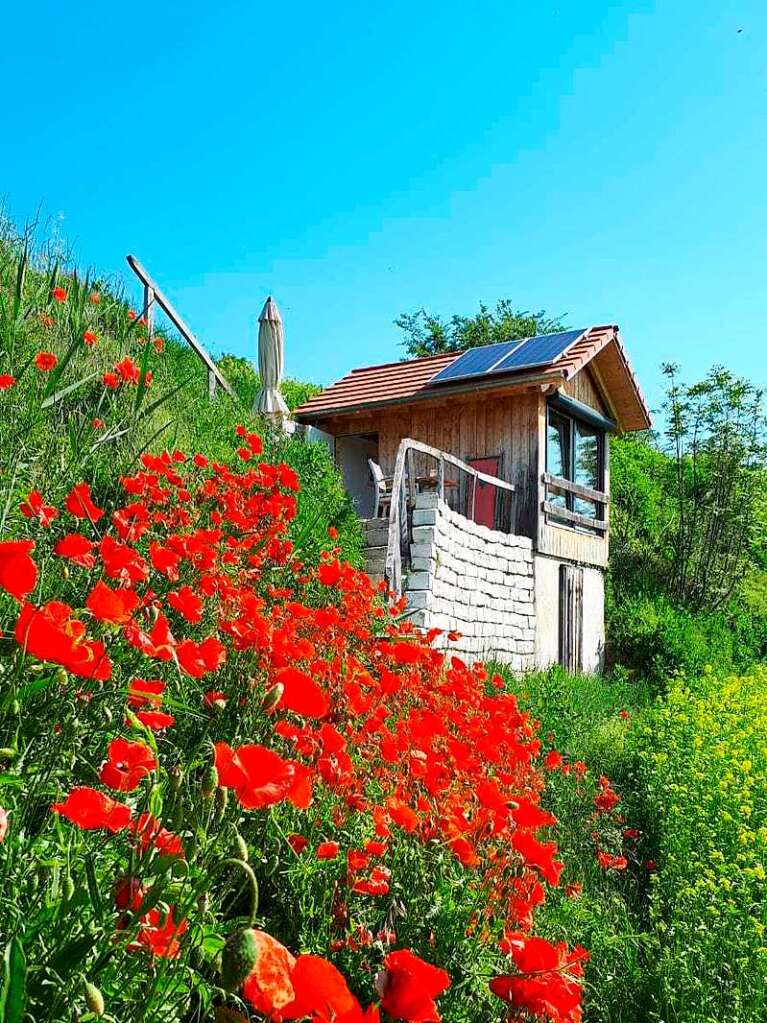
(240, 847)
(61, 676)
(176, 778)
(272, 698)
(8, 753)
(15, 708)
(209, 782)
(108, 715)
(222, 798)
(94, 999)
(238, 958)
(68, 888)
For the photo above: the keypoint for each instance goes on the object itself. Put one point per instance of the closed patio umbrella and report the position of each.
(271, 340)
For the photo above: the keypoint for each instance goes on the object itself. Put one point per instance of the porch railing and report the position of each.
(404, 486)
(152, 295)
(570, 492)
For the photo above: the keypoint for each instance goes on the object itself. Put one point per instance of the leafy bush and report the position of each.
(659, 640)
(703, 768)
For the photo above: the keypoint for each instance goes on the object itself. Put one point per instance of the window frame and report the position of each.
(573, 420)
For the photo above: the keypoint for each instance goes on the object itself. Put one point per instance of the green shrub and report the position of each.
(657, 640)
(702, 766)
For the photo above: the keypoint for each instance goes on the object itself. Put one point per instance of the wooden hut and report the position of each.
(483, 479)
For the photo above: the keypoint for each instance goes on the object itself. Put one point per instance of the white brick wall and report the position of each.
(473, 580)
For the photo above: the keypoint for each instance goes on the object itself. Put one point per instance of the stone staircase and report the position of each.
(376, 539)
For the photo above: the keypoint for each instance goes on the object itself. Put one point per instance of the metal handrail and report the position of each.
(153, 294)
(404, 466)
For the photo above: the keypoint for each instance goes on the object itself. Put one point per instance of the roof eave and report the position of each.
(507, 384)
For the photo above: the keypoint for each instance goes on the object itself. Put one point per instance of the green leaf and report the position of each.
(14, 994)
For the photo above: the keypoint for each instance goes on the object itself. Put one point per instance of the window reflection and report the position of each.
(574, 452)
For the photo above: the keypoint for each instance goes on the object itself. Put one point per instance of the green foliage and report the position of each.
(703, 773)
(716, 436)
(657, 639)
(591, 719)
(688, 535)
(429, 334)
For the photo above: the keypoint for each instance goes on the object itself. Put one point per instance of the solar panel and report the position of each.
(508, 356)
(538, 351)
(475, 362)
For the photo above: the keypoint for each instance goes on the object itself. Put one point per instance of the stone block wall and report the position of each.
(474, 580)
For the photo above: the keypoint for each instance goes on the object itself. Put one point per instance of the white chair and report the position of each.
(381, 491)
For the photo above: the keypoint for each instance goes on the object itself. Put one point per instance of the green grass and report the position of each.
(46, 419)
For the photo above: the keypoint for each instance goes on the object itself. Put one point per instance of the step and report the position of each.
(375, 560)
(377, 536)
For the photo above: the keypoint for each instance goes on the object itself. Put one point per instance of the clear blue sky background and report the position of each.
(607, 161)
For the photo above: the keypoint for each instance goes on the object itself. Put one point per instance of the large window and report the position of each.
(575, 451)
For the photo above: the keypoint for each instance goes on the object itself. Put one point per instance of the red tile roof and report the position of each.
(407, 382)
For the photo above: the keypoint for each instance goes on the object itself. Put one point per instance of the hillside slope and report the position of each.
(103, 392)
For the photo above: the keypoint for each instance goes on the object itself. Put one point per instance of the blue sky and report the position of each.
(606, 161)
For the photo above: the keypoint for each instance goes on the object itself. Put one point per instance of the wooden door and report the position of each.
(485, 496)
(571, 618)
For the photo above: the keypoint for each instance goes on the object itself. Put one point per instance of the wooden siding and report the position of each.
(475, 427)
(583, 388)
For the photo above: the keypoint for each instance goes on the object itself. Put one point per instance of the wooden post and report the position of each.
(149, 310)
(441, 478)
(411, 485)
(473, 496)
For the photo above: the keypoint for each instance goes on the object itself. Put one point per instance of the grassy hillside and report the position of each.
(55, 418)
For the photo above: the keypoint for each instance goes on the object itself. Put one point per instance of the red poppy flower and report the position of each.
(6, 381)
(35, 508)
(111, 380)
(321, 993)
(198, 659)
(410, 985)
(76, 548)
(259, 776)
(59, 294)
(268, 988)
(126, 765)
(94, 298)
(51, 634)
(97, 423)
(90, 338)
(160, 935)
(329, 573)
(327, 850)
(91, 810)
(157, 720)
(142, 691)
(128, 894)
(187, 603)
(302, 694)
(79, 503)
(122, 561)
(46, 361)
(152, 835)
(298, 843)
(113, 606)
(18, 572)
(128, 370)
